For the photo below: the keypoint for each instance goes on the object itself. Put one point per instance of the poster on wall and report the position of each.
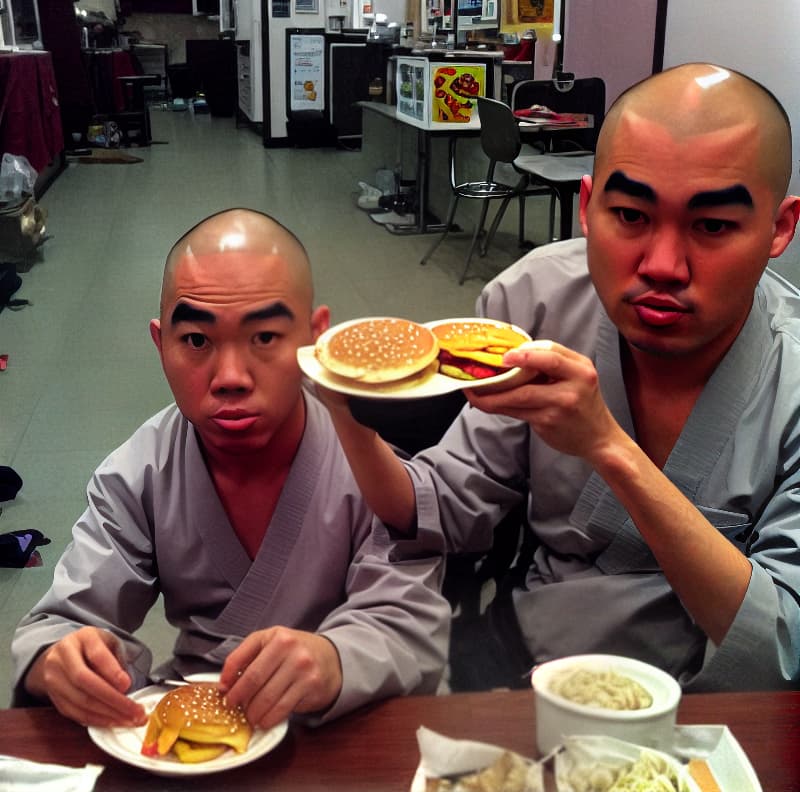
(306, 71)
(529, 12)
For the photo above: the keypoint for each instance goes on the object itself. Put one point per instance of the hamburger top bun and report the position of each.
(196, 713)
(377, 350)
(482, 340)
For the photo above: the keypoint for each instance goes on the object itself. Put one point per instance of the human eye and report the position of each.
(714, 226)
(627, 215)
(195, 340)
(265, 338)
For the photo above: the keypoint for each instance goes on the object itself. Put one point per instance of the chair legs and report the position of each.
(475, 236)
(451, 213)
(479, 228)
(495, 224)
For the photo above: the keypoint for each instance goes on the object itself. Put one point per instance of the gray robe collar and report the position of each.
(255, 582)
(710, 426)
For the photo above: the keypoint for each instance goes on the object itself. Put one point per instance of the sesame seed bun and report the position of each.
(376, 350)
(195, 714)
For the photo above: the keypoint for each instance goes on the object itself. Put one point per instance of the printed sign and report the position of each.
(307, 63)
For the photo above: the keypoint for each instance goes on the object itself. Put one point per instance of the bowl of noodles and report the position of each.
(606, 695)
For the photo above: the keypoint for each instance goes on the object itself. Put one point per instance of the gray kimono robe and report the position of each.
(154, 524)
(593, 584)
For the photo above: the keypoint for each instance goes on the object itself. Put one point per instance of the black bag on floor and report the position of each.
(17, 547)
(9, 284)
(10, 483)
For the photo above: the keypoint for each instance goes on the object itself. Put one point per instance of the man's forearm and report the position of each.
(381, 476)
(709, 575)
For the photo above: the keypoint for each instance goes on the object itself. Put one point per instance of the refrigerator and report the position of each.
(248, 35)
(19, 24)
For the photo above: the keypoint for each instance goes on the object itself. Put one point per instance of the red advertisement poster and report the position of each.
(456, 89)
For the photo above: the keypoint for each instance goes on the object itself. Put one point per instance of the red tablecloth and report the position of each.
(30, 120)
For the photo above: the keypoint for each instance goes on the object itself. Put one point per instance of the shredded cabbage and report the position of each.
(649, 773)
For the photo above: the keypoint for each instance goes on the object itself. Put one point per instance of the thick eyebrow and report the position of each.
(737, 194)
(277, 309)
(188, 313)
(619, 182)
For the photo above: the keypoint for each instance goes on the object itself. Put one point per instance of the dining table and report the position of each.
(425, 222)
(374, 749)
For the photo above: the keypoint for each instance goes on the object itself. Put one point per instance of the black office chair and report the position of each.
(500, 141)
(564, 157)
(134, 120)
(581, 95)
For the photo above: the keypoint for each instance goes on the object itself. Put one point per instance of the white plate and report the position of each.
(420, 386)
(126, 744)
(714, 743)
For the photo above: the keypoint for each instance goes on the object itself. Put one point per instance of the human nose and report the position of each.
(231, 372)
(665, 260)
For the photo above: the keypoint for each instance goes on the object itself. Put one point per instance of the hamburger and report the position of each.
(377, 350)
(196, 725)
(473, 349)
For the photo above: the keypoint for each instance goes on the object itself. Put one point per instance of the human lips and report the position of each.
(234, 420)
(659, 310)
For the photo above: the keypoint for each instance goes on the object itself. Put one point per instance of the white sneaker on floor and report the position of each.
(369, 196)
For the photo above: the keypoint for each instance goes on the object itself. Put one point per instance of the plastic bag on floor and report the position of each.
(17, 178)
(369, 196)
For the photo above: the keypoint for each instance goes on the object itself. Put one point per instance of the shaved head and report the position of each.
(222, 236)
(698, 98)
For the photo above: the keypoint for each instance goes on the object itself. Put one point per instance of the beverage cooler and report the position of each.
(19, 25)
(441, 91)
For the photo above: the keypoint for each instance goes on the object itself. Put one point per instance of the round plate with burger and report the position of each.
(391, 358)
(181, 738)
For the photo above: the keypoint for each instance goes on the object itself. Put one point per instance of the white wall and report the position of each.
(612, 39)
(395, 10)
(763, 41)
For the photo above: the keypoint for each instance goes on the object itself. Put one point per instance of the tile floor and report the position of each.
(82, 371)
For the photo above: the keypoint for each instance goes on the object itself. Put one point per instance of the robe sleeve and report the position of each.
(105, 578)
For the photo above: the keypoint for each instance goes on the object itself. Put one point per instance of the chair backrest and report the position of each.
(500, 137)
(583, 95)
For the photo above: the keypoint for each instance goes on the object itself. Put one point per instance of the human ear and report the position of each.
(786, 219)
(585, 195)
(155, 333)
(320, 321)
